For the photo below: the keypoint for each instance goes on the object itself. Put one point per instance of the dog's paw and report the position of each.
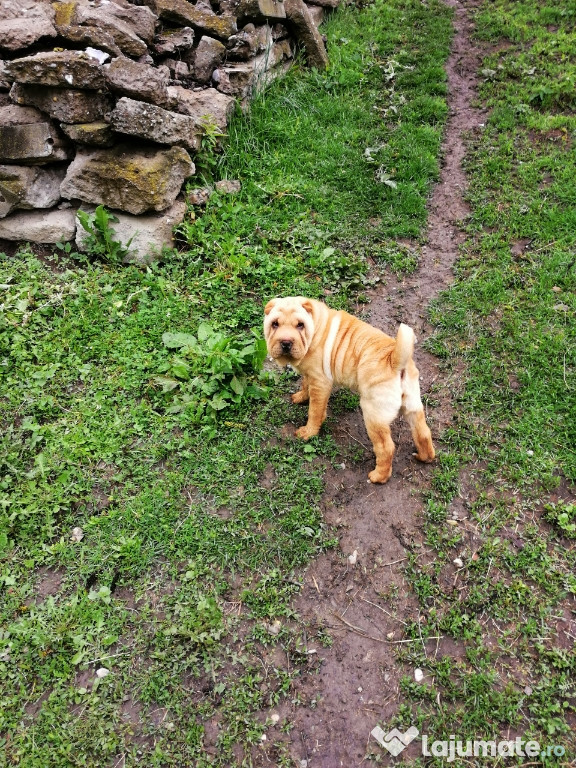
(378, 476)
(304, 433)
(427, 458)
(299, 397)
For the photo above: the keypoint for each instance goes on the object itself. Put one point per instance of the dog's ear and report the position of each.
(307, 305)
(269, 306)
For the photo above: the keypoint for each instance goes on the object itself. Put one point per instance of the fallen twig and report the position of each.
(383, 610)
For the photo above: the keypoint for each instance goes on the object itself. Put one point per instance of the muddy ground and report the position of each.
(357, 683)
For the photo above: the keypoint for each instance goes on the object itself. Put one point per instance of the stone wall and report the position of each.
(105, 102)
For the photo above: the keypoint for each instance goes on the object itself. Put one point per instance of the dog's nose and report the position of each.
(286, 345)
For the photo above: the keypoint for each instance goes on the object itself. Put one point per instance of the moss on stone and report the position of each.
(65, 13)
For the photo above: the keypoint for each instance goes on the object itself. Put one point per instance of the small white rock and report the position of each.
(529, 453)
(353, 557)
(458, 562)
(95, 53)
(418, 675)
(390, 635)
(77, 534)
(102, 672)
(360, 689)
(275, 718)
(274, 628)
(263, 737)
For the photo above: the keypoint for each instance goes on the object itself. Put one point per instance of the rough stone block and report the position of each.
(139, 17)
(144, 236)
(65, 69)
(205, 20)
(138, 21)
(139, 81)
(66, 105)
(245, 44)
(228, 186)
(300, 22)
(245, 79)
(127, 25)
(28, 138)
(261, 10)
(23, 187)
(5, 81)
(147, 121)
(24, 22)
(199, 196)
(209, 55)
(130, 180)
(178, 69)
(39, 226)
(206, 105)
(98, 134)
(317, 14)
(12, 114)
(173, 41)
(90, 37)
(123, 36)
(279, 32)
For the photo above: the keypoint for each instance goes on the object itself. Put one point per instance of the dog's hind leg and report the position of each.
(384, 448)
(413, 410)
(379, 433)
(421, 435)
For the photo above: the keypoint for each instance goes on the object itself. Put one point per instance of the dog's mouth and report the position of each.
(286, 350)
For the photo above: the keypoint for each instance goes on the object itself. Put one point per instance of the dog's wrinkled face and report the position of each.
(288, 328)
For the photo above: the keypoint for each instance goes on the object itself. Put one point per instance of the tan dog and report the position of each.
(329, 347)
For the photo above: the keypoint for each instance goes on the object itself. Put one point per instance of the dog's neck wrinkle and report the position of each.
(322, 323)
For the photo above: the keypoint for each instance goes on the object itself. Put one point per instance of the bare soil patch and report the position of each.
(361, 605)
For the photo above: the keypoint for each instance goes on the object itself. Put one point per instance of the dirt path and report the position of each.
(357, 682)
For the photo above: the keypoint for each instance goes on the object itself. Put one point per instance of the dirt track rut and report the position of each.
(357, 683)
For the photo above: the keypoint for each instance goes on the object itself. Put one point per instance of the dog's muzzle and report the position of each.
(286, 346)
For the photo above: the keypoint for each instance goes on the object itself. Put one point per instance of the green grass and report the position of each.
(193, 526)
(507, 333)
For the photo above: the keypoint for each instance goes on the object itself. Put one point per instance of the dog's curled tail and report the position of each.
(404, 348)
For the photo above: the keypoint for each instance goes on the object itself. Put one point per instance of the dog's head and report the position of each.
(288, 328)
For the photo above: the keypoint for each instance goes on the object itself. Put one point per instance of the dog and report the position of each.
(329, 347)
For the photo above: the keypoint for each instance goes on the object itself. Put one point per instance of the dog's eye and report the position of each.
(275, 324)
(300, 326)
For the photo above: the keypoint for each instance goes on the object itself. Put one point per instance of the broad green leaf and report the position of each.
(204, 331)
(218, 403)
(181, 370)
(237, 386)
(179, 340)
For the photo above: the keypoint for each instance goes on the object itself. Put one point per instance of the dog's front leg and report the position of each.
(319, 393)
(303, 395)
